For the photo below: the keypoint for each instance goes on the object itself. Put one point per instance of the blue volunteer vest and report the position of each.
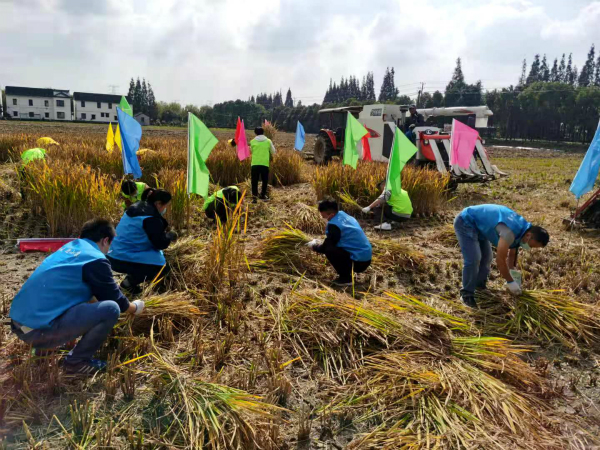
(132, 243)
(56, 285)
(353, 239)
(485, 218)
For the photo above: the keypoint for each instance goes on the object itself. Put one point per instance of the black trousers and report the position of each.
(388, 214)
(217, 209)
(137, 273)
(263, 173)
(342, 263)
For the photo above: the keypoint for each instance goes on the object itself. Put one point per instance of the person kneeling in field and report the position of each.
(142, 235)
(132, 191)
(346, 245)
(479, 227)
(55, 304)
(221, 203)
(391, 207)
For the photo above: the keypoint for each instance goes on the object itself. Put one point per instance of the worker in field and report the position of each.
(72, 294)
(222, 203)
(142, 235)
(346, 246)
(32, 154)
(132, 191)
(479, 227)
(388, 208)
(262, 149)
(414, 118)
(411, 135)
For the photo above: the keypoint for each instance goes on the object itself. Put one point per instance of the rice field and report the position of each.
(246, 346)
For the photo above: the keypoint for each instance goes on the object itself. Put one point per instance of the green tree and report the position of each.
(544, 70)
(523, 77)
(152, 106)
(388, 91)
(144, 104)
(586, 77)
(438, 99)
(131, 92)
(562, 70)
(534, 72)
(137, 97)
(554, 72)
(289, 101)
(570, 75)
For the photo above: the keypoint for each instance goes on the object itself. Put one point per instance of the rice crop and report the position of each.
(286, 168)
(11, 146)
(182, 205)
(225, 167)
(187, 259)
(270, 130)
(307, 219)
(392, 255)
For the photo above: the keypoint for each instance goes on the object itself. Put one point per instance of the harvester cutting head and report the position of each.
(587, 215)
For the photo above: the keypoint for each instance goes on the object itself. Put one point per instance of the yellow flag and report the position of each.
(110, 139)
(118, 138)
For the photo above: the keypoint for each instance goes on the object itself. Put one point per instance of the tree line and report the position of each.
(141, 97)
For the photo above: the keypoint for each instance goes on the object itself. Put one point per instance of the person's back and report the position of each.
(485, 218)
(260, 148)
(353, 238)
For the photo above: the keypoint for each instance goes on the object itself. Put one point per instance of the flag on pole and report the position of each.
(243, 151)
(118, 142)
(366, 147)
(300, 137)
(200, 143)
(402, 151)
(354, 133)
(125, 106)
(588, 170)
(130, 133)
(462, 144)
(110, 139)
(267, 122)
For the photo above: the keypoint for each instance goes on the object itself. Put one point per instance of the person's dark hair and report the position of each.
(231, 195)
(97, 229)
(156, 195)
(328, 204)
(128, 187)
(259, 130)
(539, 234)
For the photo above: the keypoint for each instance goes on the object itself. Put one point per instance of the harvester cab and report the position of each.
(330, 140)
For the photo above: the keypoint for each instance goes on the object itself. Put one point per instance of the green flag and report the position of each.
(200, 143)
(402, 151)
(125, 107)
(354, 133)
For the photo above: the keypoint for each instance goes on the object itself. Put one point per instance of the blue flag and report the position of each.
(588, 170)
(300, 137)
(131, 133)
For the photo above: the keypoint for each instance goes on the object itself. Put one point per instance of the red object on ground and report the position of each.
(42, 244)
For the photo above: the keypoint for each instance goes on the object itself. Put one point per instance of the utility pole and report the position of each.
(419, 94)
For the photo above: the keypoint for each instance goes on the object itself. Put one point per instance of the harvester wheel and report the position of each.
(323, 150)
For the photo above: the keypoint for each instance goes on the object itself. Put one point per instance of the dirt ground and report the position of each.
(537, 187)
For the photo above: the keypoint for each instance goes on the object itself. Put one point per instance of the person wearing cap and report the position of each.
(72, 294)
(221, 203)
(388, 208)
(262, 150)
(132, 191)
(414, 118)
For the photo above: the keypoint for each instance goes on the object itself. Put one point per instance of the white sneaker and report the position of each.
(385, 226)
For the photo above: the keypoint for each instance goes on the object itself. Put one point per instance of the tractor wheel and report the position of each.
(323, 150)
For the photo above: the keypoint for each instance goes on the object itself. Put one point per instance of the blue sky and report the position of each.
(206, 51)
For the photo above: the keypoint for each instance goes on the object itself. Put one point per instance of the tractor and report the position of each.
(433, 143)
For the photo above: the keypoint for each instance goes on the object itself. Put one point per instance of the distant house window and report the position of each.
(83, 105)
(99, 104)
(143, 120)
(60, 115)
(30, 102)
(109, 106)
(47, 115)
(15, 114)
(93, 116)
(14, 102)
(116, 118)
(60, 103)
(83, 116)
(46, 103)
(30, 114)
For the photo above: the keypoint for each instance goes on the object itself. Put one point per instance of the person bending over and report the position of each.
(346, 246)
(390, 208)
(222, 203)
(479, 227)
(132, 191)
(262, 149)
(142, 235)
(72, 294)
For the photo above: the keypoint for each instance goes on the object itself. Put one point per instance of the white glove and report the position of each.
(139, 307)
(314, 243)
(366, 209)
(516, 275)
(514, 288)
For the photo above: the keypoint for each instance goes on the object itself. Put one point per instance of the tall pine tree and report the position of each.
(570, 77)
(388, 91)
(144, 107)
(554, 71)
(534, 72)
(544, 70)
(289, 101)
(137, 97)
(131, 92)
(562, 70)
(152, 105)
(597, 73)
(586, 77)
(523, 77)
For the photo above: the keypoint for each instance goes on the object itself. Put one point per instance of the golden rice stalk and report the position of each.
(392, 255)
(187, 258)
(445, 235)
(286, 168)
(176, 304)
(270, 130)
(225, 167)
(307, 219)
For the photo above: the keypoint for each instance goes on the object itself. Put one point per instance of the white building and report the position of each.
(95, 107)
(37, 104)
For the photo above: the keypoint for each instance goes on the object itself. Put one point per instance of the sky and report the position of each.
(207, 51)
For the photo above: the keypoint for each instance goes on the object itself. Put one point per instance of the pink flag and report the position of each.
(241, 142)
(267, 122)
(462, 144)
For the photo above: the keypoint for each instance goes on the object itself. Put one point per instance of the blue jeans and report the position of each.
(92, 321)
(477, 256)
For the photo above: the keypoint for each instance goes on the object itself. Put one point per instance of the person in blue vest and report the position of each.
(346, 246)
(477, 229)
(71, 294)
(142, 235)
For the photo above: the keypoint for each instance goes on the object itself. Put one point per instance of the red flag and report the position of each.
(243, 150)
(366, 147)
(238, 128)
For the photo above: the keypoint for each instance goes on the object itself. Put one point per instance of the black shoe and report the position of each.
(469, 300)
(131, 290)
(90, 367)
(264, 198)
(341, 282)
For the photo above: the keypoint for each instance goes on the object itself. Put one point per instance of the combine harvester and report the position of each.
(433, 144)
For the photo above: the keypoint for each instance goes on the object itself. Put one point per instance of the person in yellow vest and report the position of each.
(262, 149)
(221, 203)
(132, 191)
(390, 208)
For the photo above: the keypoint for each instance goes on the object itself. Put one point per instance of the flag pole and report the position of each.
(188, 159)
(387, 177)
